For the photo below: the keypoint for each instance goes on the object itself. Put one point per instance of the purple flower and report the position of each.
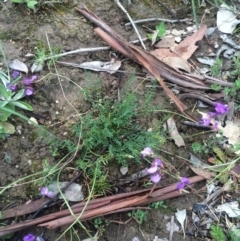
(29, 237)
(45, 192)
(215, 126)
(156, 177)
(204, 121)
(29, 91)
(34, 78)
(15, 74)
(147, 152)
(27, 80)
(221, 108)
(50, 194)
(154, 170)
(184, 181)
(212, 114)
(11, 87)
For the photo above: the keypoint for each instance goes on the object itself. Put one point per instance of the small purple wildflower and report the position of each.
(204, 121)
(29, 91)
(15, 74)
(221, 108)
(147, 152)
(215, 126)
(154, 170)
(156, 177)
(45, 192)
(184, 181)
(29, 80)
(212, 114)
(29, 237)
(11, 86)
(34, 78)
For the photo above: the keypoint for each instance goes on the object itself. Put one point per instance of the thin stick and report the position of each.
(130, 19)
(158, 19)
(93, 49)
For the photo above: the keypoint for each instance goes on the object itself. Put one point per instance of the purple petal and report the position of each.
(155, 177)
(11, 87)
(215, 126)
(44, 191)
(147, 152)
(152, 169)
(157, 162)
(180, 185)
(29, 91)
(15, 74)
(185, 180)
(212, 114)
(204, 121)
(29, 237)
(221, 108)
(34, 78)
(49, 194)
(27, 81)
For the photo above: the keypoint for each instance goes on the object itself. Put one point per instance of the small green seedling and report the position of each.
(30, 3)
(216, 68)
(158, 33)
(217, 233)
(157, 205)
(139, 215)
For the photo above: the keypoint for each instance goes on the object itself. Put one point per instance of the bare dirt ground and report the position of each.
(21, 30)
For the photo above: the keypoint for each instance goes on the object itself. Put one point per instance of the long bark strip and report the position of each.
(101, 207)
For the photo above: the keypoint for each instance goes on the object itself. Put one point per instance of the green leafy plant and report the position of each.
(30, 3)
(216, 68)
(159, 204)
(208, 145)
(197, 147)
(216, 87)
(217, 233)
(138, 215)
(9, 100)
(233, 92)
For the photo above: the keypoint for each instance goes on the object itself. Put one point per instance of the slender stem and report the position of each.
(130, 19)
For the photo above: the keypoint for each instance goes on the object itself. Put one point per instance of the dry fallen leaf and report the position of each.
(18, 65)
(204, 173)
(177, 63)
(185, 49)
(173, 132)
(166, 42)
(232, 131)
(226, 19)
(110, 67)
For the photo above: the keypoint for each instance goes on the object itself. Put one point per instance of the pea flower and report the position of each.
(221, 108)
(15, 74)
(29, 91)
(29, 80)
(147, 152)
(205, 121)
(29, 237)
(154, 171)
(11, 86)
(184, 181)
(45, 192)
